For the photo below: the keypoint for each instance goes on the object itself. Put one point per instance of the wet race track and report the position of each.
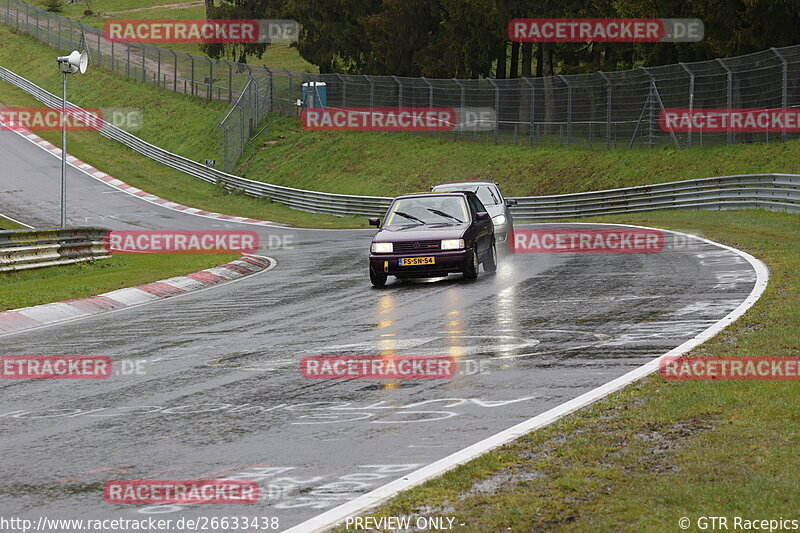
(221, 394)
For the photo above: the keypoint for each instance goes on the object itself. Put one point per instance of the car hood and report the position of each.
(495, 210)
(421, 232)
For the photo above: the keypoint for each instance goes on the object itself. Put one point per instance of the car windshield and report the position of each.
(487, 194)
(427, 210)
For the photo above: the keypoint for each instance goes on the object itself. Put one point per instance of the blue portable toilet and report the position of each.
(315, 94)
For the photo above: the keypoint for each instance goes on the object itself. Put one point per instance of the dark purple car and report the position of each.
(430, 235)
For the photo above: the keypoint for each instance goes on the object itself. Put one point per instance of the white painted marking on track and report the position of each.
(374, 498)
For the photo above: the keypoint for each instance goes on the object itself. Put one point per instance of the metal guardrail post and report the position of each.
(731, 137)
(344, 89)
(784, 84)
(608, 108)
(569, 107)
(496, 108)
(691, 100)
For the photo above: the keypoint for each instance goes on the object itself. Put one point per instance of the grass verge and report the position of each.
(656, 451)
(9, 224)
(54, 284)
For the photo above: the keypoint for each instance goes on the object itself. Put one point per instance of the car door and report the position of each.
(485, 229)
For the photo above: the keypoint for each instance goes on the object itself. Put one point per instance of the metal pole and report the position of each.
(230, 81)
(63, 150)
(144, 70)
(430, 93)
(691, 101)
(399, 91)
(784, 84)
(569, 108)
(496, 107)
(531, 133)
(608, 108)
(730, 96)
(463, 106)
(344, 89)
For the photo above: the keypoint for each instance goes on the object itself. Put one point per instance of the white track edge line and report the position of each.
(272, 264)
(15, 221)
(333, 517)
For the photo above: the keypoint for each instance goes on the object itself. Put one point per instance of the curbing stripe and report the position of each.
(372, 499)
(29, 318)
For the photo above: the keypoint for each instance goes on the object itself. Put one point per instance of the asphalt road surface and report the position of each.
(221, 394)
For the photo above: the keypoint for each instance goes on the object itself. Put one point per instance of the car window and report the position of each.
(487, 194)
(435, 209)
(476, 204)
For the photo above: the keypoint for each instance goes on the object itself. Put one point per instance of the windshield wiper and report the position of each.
(410, 217)
(443, 214)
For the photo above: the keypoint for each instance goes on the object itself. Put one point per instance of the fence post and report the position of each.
(463, 107)
(371, 91)
(496, 108)
(59, 33)
(191, 58)
(430, 92)
(158, 68)
(784, 84)
(344, 89)
(532, 127)
(269, 74)
(289, 74)
(144, 65)
(569, 107)
(730, 95)
(608, 108)
(174, 70)
(230, 81)
(210, 79)
(99, 51)
(399, 91)
(691, 101)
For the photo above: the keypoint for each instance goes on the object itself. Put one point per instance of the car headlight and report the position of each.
(452, 244)
(499, 220)
(382, 248)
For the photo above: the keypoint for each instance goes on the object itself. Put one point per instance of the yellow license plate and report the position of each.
(412, 261)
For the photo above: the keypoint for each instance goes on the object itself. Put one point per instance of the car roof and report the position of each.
(470, 182)
(435, 193)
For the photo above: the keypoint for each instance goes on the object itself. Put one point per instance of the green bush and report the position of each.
(54, 6)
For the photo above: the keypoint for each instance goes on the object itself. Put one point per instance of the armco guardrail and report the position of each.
(770, 191)
(26, 249)
(779, 192)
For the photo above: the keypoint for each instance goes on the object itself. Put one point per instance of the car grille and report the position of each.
(417, 246)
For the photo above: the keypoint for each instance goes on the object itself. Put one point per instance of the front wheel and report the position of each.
(376, 278)
(471, 270)
(490, 263)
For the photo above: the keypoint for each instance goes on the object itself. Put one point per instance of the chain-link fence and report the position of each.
(603, 109)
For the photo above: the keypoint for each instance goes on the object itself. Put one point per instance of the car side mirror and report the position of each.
(483, 215)
(511, 201)
(375, 222)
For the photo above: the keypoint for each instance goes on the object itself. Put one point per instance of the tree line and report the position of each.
(468, 38)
